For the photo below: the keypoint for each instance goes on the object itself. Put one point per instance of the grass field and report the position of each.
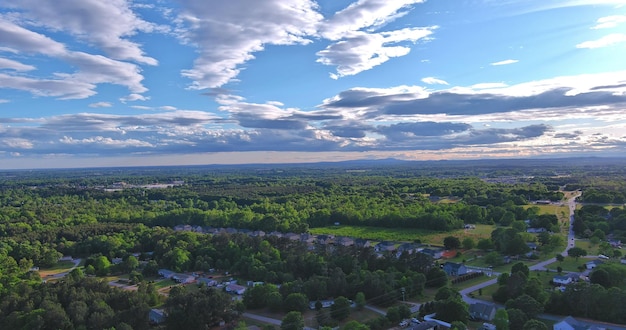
(59, 267)
(569, 264)
(404, 234)
(592, 250)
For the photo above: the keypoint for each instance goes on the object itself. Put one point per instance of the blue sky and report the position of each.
(174, 82)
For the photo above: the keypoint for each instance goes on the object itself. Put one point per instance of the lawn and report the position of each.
(569, 264)
(59, 267)
(592, 250)
(404, 234)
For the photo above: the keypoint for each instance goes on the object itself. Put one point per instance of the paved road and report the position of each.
(262, 318)
(63, 274)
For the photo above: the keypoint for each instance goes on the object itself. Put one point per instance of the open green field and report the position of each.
(569, 264)
(404, 234)
(59, 267)
(592, 250)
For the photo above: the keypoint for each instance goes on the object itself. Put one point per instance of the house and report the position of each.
(482, 311)
(325, 239)
(206, 281)
(407, 247)
(593, 264)
(428, 325)
(362, 243)
(156, 316)
(307, 238)
(384, 246)
(436, 253)
(183, 278)
(324, 303)
(562, 280)
(166, 273)
(235, 288)
(569, 323)
(344, 241)
(292, 236)
(257, 233)
(532, 246)
(454, 269)
(536, 230)
(615, 243)
(623, 261)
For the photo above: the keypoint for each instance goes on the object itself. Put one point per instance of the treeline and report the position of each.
(283, 204)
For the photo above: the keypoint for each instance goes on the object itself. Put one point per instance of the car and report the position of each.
(415, 320)
(602, 256)
(404, 323)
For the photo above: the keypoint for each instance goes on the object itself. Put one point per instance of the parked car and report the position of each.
(602, 256)
(404, 323)
(415, 320)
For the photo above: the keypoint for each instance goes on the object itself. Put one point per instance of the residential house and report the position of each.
(407, 247)
(257, 233)
(569, 323)
(615, 243)
(536, 230)
(156, 316)
(166, 273)
(362, 243)
(593, 264)
(235, 288)
(183, 278)
(532, 246)
(325, 239)
(344, 241)
(454, 269)
(562, 280)
(307, 238)
(428, 325)
(324, 303)
(482, 311)
(436, 253)
(206, 281)
(623, 261)
(292, 236)
(385, 246)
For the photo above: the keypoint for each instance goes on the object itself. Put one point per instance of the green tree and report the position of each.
(517, 319)
(197, 309)
(485, 244)
(520, 267)
(340, 309)
(359, 300)
(534, 324)
(451, 243)
(501, 319)
(468, 243)
(355, 325)
(292, 321)
(451, 310)
(526, 304)
(576, 252)
(295, 302)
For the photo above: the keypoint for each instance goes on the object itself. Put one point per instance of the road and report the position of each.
(539, 266)
(63, 274)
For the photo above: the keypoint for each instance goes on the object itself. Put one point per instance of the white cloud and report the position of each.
(606, 41)
(92, 69)
(134, 97)
(363, 51)
(227, 33)
(434, 81)
(106, 141)
(363, 14)
(14, 65)
(168, 108)
(488, 85)
(609, 21)
(17, 143)
(101, 105)
(505, 62)
(357, 47)
(3, 101)
(106, 24)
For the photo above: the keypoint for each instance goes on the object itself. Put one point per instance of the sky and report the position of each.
(96, 83)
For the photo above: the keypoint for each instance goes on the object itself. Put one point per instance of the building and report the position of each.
(593, 264)
(156, 316)
(482, 311)
(569, 323)
(206, 281)
(562, 280)
(236, 289)
(166, 273)
(454, 269)
(436, 253)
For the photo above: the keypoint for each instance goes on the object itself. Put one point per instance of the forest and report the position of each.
(102, 215)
